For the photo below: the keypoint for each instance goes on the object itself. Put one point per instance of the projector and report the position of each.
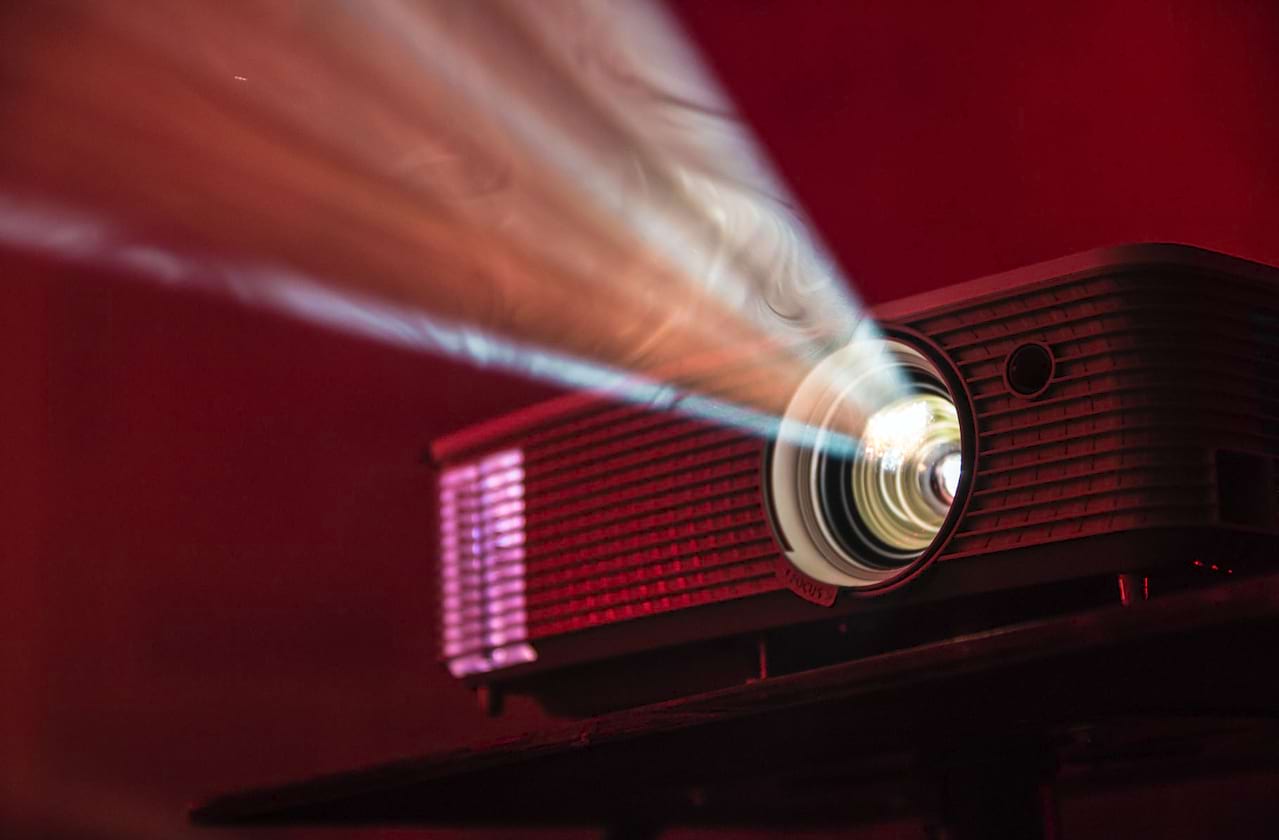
(1111, 417)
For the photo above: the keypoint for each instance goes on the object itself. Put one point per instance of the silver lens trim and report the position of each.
(840, 392)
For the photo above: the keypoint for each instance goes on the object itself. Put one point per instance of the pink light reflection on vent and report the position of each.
(482, 565)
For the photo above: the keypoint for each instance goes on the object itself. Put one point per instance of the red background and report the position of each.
(218, 544)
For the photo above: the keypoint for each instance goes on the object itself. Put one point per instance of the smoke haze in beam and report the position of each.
(556, 188)
(631, 118)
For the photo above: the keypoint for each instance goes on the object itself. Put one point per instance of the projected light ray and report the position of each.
(77, 238)
(555, 188)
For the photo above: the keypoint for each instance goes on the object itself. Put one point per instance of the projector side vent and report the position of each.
(1154, 372)
(1246, 489)
(485, 625)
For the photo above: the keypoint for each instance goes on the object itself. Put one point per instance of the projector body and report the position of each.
(1121, 416)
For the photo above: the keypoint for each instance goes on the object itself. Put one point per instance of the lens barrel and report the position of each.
(869, 466)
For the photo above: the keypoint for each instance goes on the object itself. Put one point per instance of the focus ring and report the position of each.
(868, 470)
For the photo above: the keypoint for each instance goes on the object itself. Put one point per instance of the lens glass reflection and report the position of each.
(905, 478)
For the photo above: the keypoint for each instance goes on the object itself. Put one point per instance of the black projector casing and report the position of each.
(1121, 413)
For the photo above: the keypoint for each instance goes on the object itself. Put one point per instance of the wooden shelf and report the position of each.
(1182, 685)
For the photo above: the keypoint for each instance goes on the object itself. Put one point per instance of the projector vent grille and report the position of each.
(481, 564)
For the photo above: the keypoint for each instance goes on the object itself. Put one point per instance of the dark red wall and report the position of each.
(934, 142)
(218, 543)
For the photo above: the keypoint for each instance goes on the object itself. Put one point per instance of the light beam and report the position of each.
(558, 189)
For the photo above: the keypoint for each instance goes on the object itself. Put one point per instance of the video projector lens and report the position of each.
(869, 465)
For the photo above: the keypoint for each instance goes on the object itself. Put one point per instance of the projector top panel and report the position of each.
(1117, 257)
(1096, 261)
